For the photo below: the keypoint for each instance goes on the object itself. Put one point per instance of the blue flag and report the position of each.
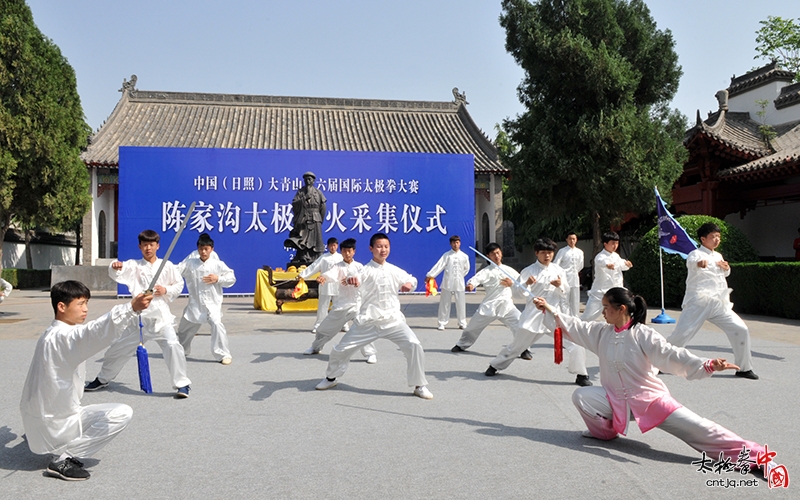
(671, 236)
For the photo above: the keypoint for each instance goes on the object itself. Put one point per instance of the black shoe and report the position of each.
(748, 374)
(457, 349)
(69, 469)
(583, 381)
(183, 392)
(94, 385)
(491, 371)
(526, 355)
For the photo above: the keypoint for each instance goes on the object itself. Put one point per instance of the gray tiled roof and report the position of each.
(734, 129)
(196, 120)
(758, 77)
(787, 152)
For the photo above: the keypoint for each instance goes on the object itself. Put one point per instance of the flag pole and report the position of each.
(662, 318)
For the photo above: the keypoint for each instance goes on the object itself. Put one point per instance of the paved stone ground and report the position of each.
(258, 429)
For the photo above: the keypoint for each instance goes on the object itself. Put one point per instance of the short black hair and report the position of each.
(455, 237)
(331, 241)
(348, 243)
(706, 229)
(610, 236)
(545, 244)
(571, 233)
(376, 237)
(67, 291)
(148, 235)
(205, 241)
(491, 247)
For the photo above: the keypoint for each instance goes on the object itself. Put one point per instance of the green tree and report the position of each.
(43, 181)
(778, 39)
(597, 134)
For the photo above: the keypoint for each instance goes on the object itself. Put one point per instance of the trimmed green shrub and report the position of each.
(767, 288)
(644, 279)
(27, 278)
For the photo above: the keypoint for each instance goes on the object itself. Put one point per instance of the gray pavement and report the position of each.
(258, 429)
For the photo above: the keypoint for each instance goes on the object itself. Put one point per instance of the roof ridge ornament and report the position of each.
(129, 86)
(722, 99)
(460, 98)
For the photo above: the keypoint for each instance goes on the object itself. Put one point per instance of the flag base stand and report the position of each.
(663, 318)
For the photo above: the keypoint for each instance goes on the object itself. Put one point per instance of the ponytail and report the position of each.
(636, 305)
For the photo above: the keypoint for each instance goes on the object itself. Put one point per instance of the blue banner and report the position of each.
(243, 200)
(671, 236)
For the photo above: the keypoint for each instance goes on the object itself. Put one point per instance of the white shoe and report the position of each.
(226, 360)
(440, 327)
(372, 359)
(421, 392)
(326, 384)
(587, 434)
(314, 331)
(346, 328)
(310, 351)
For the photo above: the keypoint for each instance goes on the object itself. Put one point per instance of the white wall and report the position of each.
(43, 255)
(771, 230)
(770, 92)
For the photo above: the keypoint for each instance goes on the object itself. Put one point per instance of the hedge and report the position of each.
(767, 288)
(27, 278)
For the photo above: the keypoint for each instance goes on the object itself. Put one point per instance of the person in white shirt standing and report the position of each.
(326, 290)
(608, 268)
(205, 278)
(498, 303)
(158, 321)
(708, 298)
(5, 290)
(346, 301)
(380, 317)
(570, 259)
(455, 265)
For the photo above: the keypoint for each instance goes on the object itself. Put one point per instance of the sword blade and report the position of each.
(171, 247)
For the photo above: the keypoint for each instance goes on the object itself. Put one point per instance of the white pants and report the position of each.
(219, 337)
(100, 424)
(444, 307)
(704, 308)
(124, 348)
(361, 335)
(593, 309)
(323, 304)
(574, 300)
(479, 322)
(698, 432)
(333, 324)
(523, 339)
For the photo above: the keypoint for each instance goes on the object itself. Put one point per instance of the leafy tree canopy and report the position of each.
(778, 39)
(43, 182)
(597, 134)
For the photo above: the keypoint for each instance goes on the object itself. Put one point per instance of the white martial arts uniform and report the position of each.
(158, 321)
(380, 317)
(531, 325)
(455, 266)
(322, 265)
(5, 289)
(629, 362)
(52, 415)
(205, 303)
(604, 280)
(498, 303)
(571, 261)
(346, 303)
(708, 298)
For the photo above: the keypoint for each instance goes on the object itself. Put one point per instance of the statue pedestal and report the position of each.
(274, 292)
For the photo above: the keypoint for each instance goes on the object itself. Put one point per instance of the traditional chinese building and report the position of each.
(744, 160)
(196, 120)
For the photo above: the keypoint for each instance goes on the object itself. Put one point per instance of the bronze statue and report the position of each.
(308, 209)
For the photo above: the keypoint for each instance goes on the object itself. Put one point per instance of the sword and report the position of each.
(169, 250)
(519, 285)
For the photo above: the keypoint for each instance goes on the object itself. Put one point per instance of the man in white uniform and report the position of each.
(570, 259)
(5, 290)
(52, 415)
(322, 265)
(205, 276)
(158, 321)
(380, 317)
(708, 298)
(608, 268)
(498, 303)
(455, 265)
(346, 302)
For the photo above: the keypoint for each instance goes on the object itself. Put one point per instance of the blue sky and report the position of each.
(409, 50)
